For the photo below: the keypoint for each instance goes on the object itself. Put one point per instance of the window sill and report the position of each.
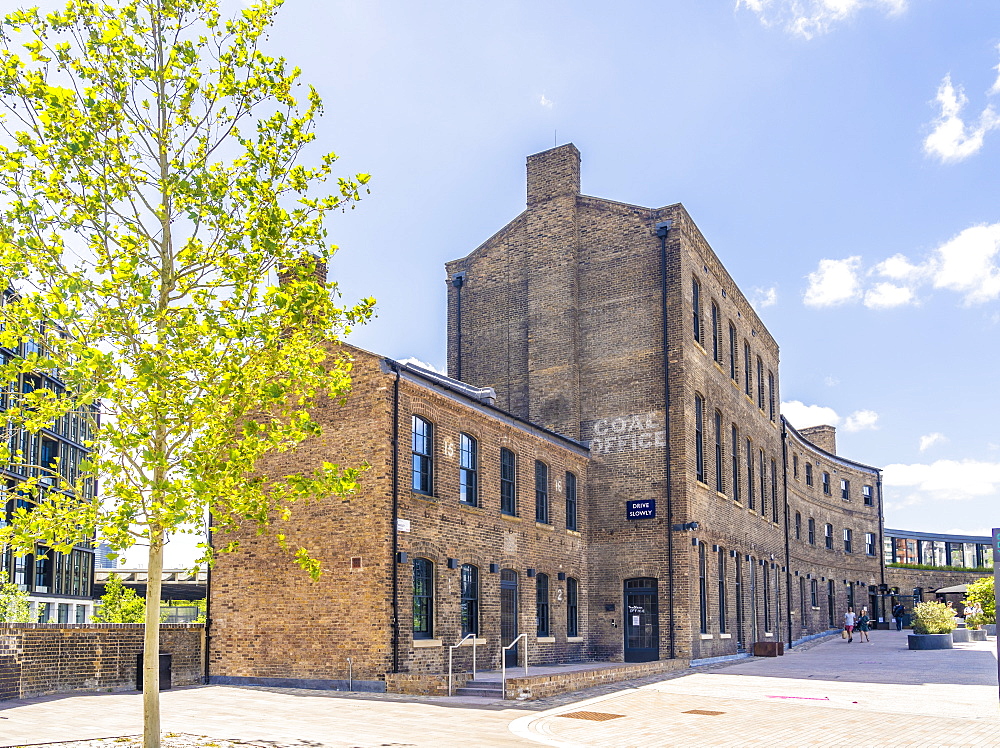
(546, 639)
(511, 518)
(700, 347)
(721, 495)
(702, 484)
(468, 642)
(577, 533)
(574, 639)
(424, 497)
(725, 636)
(707, 636)
(426, 643)
(470, 507)
(545, 526)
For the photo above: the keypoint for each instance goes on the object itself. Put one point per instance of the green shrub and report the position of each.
(981, 591)
(933, 618)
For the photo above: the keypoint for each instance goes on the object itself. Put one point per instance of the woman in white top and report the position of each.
(849, 624)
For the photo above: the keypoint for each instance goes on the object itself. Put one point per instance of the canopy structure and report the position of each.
(953, 590)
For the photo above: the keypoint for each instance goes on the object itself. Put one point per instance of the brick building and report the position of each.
(616, 483)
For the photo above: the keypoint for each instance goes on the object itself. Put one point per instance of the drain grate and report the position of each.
(706, 712)
(593, 716)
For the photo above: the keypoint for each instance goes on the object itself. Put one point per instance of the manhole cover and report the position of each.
(595, 716)
(706, 712)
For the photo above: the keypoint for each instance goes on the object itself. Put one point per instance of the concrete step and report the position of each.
(490, 689)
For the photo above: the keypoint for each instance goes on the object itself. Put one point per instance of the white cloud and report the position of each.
(547, 103)
(861, 420)
(803, 416)
(968, 264)
(809, 18)
(952, 139)
(929, 440)
(942, 480)
(995, 88)
(423, 365)
(764, 297)
(888, 295)
(834, 282)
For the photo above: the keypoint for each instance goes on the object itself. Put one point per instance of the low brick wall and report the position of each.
(45, 658)
(541, 686)
(423, 684)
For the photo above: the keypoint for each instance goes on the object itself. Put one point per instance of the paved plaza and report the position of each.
(826, 694)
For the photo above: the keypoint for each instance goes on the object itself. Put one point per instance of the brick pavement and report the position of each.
(824, 694)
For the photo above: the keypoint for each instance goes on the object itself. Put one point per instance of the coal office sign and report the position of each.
(645, 509)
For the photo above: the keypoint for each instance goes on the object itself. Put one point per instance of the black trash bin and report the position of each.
(165, 671)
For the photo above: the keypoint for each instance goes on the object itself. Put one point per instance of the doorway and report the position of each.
(508, 615)
(642, 624)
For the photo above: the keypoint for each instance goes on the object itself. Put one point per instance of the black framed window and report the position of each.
(541, 492)
(763, 482)
(802, 601)
(747, 370)
(43, 569)
(798, 526)
(733, 366)
(866, 493)
(814, 593)
(845, 489)
(716, 334)
(774, 491)
(722, 590)
(571, 523)
(828, 534)
(572, 607)
(423, 456)
(736, 463)
(772, 410)
(767, 598)
(795, 467)
(468, 468)
(699, 437)
(720, 485)
(826, 483)
(696, 309)
(760, 383)
(423, 598)
(702, 588)
(508, 482)
(470, 599)
(870, 543)
(848, 540)
(542, 603)
(831, 597)
(812, 531)
(809, 474)
(750, 480)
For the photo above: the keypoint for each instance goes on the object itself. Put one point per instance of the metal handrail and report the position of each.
(451, 650)
(503, 662)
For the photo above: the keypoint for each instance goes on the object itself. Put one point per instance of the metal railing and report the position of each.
(451, 651)
(503, 662)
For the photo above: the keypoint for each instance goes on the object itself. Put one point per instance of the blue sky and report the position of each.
(840, 156)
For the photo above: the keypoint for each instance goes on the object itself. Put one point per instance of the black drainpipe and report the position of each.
(395, 519)
(208, 598)
(662, 229)
(788, 554)
(881, 547)
(458, 281)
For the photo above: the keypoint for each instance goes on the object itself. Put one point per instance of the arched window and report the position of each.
(541, 492)
(720, 485)
(809, 474)
(542, 603)
(508, 482)
(696, 309)
(826, 483)
(812, 531)
(423, 456)
(470, 599)
(747, 370)
(571, 523)
(699, 437)
(703, 587)
(572, 607)
(760, 383)
(423, 599)
(750, 481)
(468, 462)
(722, 590)
(828, 534)
(716, 334)
(736, 463)
(798, 526)
(733, 355)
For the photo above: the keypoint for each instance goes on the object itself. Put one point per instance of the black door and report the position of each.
(741, 642)
(642, 625)
(508, 614)
(753, 600)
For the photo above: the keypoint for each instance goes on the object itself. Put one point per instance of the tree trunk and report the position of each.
(151, 645)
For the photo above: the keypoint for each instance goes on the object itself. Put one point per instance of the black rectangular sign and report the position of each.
(644, 509)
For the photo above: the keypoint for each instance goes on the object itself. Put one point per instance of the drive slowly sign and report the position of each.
(645, 509)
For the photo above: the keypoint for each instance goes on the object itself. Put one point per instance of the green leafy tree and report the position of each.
(151, 194)
(982, 592)
(120, 604)
(14, 604)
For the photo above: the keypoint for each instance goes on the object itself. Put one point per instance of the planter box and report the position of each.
(960, 635)
(977, 635)
(929, 641)
(768, 649)
(991, 629)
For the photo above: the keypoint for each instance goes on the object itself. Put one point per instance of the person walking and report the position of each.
(863, 621)
(849, 619)
(897, 613)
